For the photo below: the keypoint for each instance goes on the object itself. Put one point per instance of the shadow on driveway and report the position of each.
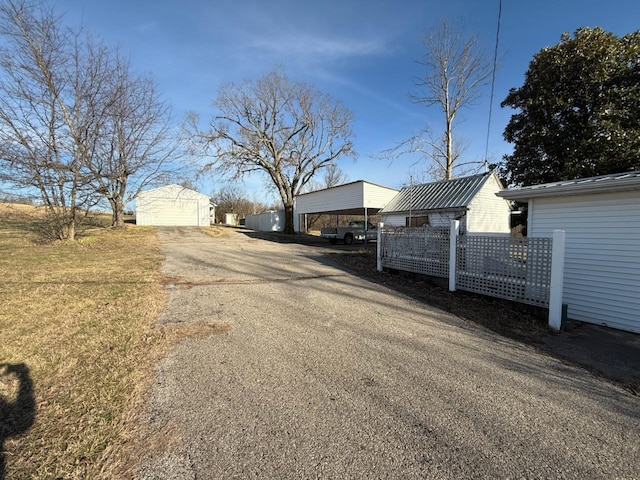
(610, 353)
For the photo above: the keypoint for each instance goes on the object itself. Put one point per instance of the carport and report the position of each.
(354, 198)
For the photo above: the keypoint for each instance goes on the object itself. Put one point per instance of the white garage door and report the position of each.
(175, 213)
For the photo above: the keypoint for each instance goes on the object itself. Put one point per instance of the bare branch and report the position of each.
(455, 70)
(282, 128)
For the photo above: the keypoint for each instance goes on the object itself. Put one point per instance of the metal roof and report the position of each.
(442, 195)
(618, 182)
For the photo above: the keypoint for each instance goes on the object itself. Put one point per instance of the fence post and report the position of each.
(557, 280)
(379, 246)
(454, 230)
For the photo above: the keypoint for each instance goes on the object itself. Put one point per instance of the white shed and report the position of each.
(173, 205)
(601, 220)
(471, 200)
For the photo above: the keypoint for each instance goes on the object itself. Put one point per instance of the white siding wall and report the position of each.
(231, 219)
(337, 198)
(376, 196)
(395, 220)
(602, 262)
(436, 219)
(172, 205)
(352, 195)
(442, 219)
(488, 212)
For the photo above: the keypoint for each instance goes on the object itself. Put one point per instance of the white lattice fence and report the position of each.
(423, 250)
(517, 269)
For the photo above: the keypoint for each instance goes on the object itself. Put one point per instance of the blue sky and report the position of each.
(361, 52)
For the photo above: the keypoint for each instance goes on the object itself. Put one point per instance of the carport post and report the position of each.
(557, 280)
(454, 230)
(379, 246)
(366, 225)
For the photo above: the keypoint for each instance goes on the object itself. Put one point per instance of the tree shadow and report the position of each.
(279, 237)
(17, 412)
(306, 239)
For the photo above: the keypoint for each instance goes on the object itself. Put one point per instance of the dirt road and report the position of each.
(324, 375)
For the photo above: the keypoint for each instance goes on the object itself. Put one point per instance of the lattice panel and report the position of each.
(423, 250)
(517, 269)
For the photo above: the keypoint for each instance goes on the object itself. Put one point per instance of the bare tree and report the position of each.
(46, 128)
(455, 70)
(138, 145)
(282, 128)
(76, 125)
(233, 199)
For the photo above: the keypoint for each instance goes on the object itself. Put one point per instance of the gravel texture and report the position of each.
(322, 374)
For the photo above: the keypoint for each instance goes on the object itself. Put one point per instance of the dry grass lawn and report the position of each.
(215, 231)
(77, 344)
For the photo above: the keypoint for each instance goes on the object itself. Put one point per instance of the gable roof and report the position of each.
(442, 195)
(172, 191)
(617, 182)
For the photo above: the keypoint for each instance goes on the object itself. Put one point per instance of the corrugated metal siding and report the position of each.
(488, 212)
(602, 254)
(442, 195)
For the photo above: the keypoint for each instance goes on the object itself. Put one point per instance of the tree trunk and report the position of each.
(449, 160)
(117, 214)
(288, 219)
(71, 230)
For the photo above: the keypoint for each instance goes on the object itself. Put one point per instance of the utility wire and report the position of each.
(493, 82)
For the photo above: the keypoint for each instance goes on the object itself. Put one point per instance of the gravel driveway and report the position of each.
(324, 375)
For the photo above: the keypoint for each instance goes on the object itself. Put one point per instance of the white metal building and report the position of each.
(173, 205)
(354, 198)
(601, 218)
(471, 200)
(269, 221)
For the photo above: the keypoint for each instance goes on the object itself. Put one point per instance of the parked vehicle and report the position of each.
(355, 231)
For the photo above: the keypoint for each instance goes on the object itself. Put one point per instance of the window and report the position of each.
(422, 221)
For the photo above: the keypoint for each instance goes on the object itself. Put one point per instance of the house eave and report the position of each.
(562, 190)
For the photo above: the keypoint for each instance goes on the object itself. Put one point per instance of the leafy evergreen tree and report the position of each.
(578, 110)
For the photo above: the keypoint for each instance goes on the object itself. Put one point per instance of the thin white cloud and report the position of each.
(373, 96)
(309, 46)
(147, 27)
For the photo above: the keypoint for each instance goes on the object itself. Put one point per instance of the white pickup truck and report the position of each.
(355, 231)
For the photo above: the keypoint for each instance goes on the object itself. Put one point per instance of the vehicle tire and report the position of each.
(348, 239)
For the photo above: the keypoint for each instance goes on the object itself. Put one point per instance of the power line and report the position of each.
(493, 82)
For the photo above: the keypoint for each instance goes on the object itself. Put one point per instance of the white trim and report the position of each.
(620, 182)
